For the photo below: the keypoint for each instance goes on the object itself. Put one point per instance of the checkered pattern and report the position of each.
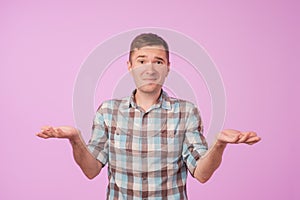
(148, 153)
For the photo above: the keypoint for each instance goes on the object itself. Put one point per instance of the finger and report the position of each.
(244, 137)
(47, 132)
(251, 143)
(229, 137)
(51, 129)
(236, 138)
(42, 135)
(248, 135)
(252, 134)
(53, 132)
(253, 140)
(59, 132)
(44, 128)
(50, 132)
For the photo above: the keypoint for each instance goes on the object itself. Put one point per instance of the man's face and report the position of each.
(149, 67)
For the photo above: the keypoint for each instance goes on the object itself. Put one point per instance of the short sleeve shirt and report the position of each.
(148, 153)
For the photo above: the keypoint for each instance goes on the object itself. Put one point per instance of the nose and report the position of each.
(150, 69)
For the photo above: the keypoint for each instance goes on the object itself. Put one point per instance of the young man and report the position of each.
(148, 140)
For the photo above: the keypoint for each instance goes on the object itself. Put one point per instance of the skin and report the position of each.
(90, 166)
(149, 67)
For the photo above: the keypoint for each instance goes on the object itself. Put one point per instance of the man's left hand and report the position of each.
(236, 137)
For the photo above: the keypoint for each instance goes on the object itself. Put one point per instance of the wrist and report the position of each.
(76, 137)
(221, 144)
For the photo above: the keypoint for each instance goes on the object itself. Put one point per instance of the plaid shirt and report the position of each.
(148, 153)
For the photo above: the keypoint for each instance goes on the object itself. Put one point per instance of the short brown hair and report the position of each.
(148, 39)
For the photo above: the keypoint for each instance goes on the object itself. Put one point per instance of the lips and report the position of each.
(149, 79)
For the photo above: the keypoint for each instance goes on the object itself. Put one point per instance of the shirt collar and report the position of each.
(163, 101)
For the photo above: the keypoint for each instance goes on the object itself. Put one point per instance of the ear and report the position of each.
(168, 68)
(129, 65)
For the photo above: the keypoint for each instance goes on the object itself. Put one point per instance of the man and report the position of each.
(148, 140)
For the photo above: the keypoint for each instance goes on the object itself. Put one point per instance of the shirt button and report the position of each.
(144, 177)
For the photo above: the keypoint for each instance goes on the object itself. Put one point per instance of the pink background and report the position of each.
(255, 45)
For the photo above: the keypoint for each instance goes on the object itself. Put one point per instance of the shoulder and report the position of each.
(113, 104)
(183, 104)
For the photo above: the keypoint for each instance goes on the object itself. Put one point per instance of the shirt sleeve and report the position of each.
(194, 145)
(98, 144)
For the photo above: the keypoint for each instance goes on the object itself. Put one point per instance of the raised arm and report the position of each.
(90, 166)
(207, 164)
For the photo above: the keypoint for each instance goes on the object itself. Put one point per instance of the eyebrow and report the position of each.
(156, 57)
(159, 58)
(141, 56)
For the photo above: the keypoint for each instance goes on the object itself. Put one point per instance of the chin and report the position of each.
(150, 88)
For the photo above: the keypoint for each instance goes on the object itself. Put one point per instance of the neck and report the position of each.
(146, 100)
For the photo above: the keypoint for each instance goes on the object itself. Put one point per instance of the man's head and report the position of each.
(148, 39)
(149, 62)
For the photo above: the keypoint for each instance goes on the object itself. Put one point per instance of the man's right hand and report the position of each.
(90, 166)
(67, 132)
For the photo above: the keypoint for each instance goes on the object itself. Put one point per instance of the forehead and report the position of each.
(150, 51)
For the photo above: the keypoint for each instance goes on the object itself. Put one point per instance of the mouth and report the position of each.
(149, 79)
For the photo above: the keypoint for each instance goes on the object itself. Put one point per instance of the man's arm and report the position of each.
(207, 164)
(90, 166)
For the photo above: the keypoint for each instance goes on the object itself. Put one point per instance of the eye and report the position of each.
(141, 61)
(159, 62)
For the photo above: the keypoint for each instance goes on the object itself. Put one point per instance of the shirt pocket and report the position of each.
(126, 141)
(172, 140)
(119, 141)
